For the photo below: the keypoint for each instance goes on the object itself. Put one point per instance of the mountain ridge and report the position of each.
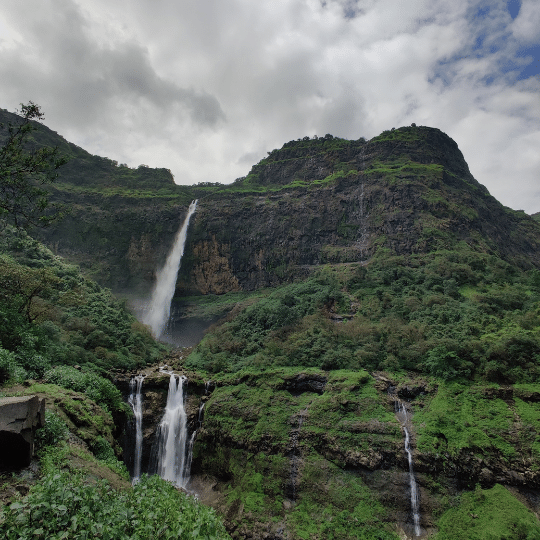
(314, 201)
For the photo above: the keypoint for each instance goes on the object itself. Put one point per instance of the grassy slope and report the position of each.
(462, 325)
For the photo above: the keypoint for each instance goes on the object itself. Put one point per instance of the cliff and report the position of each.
(314, 201)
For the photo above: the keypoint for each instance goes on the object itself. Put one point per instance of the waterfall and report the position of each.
(160, 303)
(171, 438)
(401, 413)
(187, 468)
(295, 453)
(135, 400)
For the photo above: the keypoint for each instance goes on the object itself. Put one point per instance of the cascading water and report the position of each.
(172, 433)
(160, 304)
(189, 459)
(401, 413)
(135, 400)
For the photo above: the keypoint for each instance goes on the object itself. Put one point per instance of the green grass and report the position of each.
(491, 514)
(465, 418)
(334, 504)
(404, 170)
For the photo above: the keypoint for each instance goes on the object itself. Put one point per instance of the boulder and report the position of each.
(19, 419)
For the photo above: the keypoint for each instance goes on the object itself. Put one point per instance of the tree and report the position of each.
(24, 168)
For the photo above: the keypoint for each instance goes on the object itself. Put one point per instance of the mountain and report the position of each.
(376, 333)
(314, 201)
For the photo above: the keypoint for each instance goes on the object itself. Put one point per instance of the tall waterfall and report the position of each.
(401, 413)
(135, 400)
(160, 303)
(172, 433)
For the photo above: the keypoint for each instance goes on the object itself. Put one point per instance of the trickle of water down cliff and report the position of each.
(135, 401)
(402, 414)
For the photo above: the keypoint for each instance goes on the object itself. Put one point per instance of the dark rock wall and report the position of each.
(309, 203)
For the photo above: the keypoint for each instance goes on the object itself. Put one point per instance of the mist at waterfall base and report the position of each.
(157, 314)
(182, 328)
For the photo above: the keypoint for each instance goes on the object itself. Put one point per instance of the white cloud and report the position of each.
(526, 25)
(206, 88)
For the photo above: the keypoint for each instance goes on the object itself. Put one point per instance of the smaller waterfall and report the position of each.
(171, 439)
(135, 400)
(401, 413)
(295, 454)
(187, 468)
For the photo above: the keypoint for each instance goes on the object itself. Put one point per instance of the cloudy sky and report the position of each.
(207, 87)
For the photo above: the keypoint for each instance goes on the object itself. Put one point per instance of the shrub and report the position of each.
(101, 390)
(54, 431)
(102, 449)
(9, 369)
(64, 505)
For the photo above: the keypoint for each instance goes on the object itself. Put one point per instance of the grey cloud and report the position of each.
(89, 78)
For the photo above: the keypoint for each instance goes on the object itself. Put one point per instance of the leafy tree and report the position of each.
(24, 169)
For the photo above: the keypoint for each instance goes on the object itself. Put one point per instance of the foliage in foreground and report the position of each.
(66, 506)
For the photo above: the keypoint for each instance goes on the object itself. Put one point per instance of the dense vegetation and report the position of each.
(50, 316)
(453, 315)
(66, 504)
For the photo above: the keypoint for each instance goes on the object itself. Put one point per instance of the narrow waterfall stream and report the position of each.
(402, 414)
(135, 401)
(159, 309)
(171, 438)
(192, 442)
(295, 454)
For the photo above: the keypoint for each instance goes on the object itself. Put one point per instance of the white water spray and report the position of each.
(172, 436)
(160, 303)
(415, 507)
(135, 400)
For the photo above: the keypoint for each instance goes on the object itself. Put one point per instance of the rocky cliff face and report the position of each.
(313, 201)
(19, 419)
(332, 201)
(277, 444)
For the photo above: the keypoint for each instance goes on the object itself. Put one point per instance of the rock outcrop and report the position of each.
(19, 419)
